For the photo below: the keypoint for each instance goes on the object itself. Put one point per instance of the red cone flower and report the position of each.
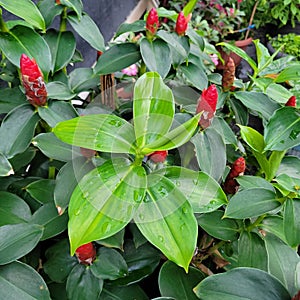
(207, 104)
(33, 81)
(291, 101)
(86, 253)
(152, 22)
(228, 75)
(158, 156)
(182, 23)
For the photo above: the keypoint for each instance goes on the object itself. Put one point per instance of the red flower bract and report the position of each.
(86, 253)
(182, 23)
(291, 101)
(158, 156)
(152, 22)
(207, 104)
(33, 81)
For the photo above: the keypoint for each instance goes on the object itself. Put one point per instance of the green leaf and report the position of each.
(83, 79)
(62, 47)
(20, 281)
(240, 111)
(88, 30)
(156, 55)
(57, 111)
(49, 10)
(222, 127)
(17, 240)
(23, 159)
(22, 39)
(253, 138)
(243, 205)
(109, 264)
(282, 262)
(210, 152)
(274, 225)
(250, 181)
(48, 217)
(41, 190)
(283, 130)
(240, 53)
(289, 73)
(214, 224)
(196, 38)
(174, 138)
(114, 241)
(90, 286)
(252, 251)
(75, 5)
(195, 75)
(291, 223)
(136, 26)
(130, 292)
(241, 284)
(59, 91)
(153, 108)
(11, 98)
(201, 190)
(166, 218)
(13, 209)
(107, 133)
(6, 168)
(171, 276)
(17, 130)
(54, 148)
(258, 102)
(59, 262)
(26, 10)
(67, 179)
(117, 57)
(104, 201)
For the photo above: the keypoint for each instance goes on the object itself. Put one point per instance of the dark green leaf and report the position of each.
(114, 241)
(222, 127)
(136, 26)
(20, 281)
(23, 159)
(49, 10)
(241, 284)
(59, 91)
(109, 264)
(123, 293)
(11, 98)
(6, 168)
(83, 79)
(175, 282)
(291, 221)
(42, 190)
(17, 130)
(214, 224)
(274, 225)
(88, 30)
(249, 181)
(243, 205)
(75, 5)
(240, 111)
(17, 240)
(117, 57)
(82, 284)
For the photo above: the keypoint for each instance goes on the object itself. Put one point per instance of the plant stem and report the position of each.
(3, 26)
(63, 21)
(256, 223)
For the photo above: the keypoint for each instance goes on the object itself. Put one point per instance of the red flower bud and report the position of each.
(207, 104)
(88, 153)
(57, 2)
(33, 81)
(297, 296)
(291, 101)
(152, 22)
(182, 23)
(158, 156)
(86, 254)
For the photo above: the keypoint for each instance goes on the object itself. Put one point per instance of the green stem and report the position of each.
(51, 171)
(3, 26)
(256, 223)
(63, 21)
(213, 249)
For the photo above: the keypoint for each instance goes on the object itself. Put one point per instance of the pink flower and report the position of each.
(231, 12)
(131, 70)
(214, 58)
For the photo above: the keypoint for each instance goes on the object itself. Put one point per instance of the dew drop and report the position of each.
(77, 212)
(294, 134)
(178, 183)
(195, 181)
(184, 210)
(115, 123)
(137, 197)
(162, 191)
(161, 238)
(106, 227)
(122, 273)
(141, 217)
(182, 227)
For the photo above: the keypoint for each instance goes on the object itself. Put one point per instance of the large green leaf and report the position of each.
(166, 219)
(133, 291)
(59, 91)
(54, 148)
(153, 108)
(291, 221)
(82, 284)
(107, 133)
(210, 152)
(6, 168)
(22, 39)
(11, 98)
(201, 190)
(174, 138)
(75, 5)
(49, 10)
(104, 201)
(258, 102)
(25, 9)
(252, 251)
(195, 75)
(41, 190)
(241, 284)
(156, 55)
(222, 127)
(174, 282)
(118, 57)
(136, 26)
(83, 79)
(243, 205)
(214, 224)
(17, 130)
(283, 130)
(20, 281)
(88, 30)
(282, 262)
(57, 111)
(289, 73)
(253, 138)
(62, 47)
(17, 240)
